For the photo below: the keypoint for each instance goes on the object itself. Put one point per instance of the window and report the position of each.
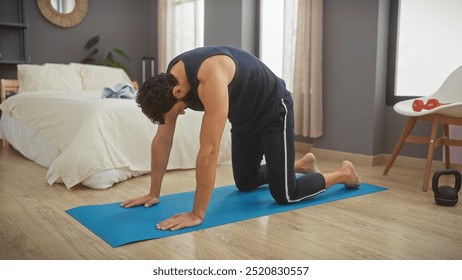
(424, 46)
(187, 30)
(278, 23)
(271, 34)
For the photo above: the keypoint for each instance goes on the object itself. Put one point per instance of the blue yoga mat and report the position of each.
(119, 226)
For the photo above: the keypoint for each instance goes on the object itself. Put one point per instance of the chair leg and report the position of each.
(447, 156)
(406, 131)
(5, 143)
(431, 150)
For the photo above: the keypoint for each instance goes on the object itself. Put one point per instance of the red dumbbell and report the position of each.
(418, 105)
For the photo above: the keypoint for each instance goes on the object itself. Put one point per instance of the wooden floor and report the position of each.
(401, 223)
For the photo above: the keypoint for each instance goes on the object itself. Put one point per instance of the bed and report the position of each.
(59, 120)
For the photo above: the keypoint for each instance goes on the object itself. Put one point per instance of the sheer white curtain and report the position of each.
(180, 28)
(295, 53)
(289, 41)
(307, 80)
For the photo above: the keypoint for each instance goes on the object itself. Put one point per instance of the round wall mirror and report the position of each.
(63, 13)
(63, 7)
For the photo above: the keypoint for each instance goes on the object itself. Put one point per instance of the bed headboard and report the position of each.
(7, 85)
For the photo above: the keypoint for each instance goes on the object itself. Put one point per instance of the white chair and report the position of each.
(450, 113)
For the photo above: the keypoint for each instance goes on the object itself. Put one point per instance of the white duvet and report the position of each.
(96, 135)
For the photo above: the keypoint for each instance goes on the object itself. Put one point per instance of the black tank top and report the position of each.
(254, 93)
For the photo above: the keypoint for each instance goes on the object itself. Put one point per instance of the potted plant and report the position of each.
(109, 60)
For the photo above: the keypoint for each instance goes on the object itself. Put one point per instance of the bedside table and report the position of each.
(8, 88)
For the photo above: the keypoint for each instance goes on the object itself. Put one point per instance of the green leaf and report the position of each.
(92, 42)
(109, 59)
(112, 63)
(90, 57)
(122, 53)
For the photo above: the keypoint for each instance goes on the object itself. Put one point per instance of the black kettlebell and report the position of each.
(446, 195)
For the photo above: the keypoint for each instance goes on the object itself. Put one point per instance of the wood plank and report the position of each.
(401, 223)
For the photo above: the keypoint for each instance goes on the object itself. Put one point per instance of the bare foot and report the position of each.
(307, 164)
(352, 180)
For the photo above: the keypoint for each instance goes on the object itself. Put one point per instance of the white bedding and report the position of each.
(83, 138)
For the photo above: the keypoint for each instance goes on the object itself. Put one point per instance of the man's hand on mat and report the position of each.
(146, 200)
(180, 221)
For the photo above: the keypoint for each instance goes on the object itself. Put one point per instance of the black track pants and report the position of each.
(276, 143)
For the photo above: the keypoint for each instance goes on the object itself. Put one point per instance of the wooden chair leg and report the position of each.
(4, 143)
(447, 155)
(406, 131)
(431, 150)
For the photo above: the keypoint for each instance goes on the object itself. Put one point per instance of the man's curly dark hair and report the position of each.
(155, 97)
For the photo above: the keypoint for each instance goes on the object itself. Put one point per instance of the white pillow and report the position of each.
(48, 77)
(96, 77)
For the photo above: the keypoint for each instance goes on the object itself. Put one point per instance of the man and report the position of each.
(226, 82)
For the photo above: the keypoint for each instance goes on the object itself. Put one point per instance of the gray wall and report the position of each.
(354, 76)
(356, 118)
(127, 25)
(231, 23)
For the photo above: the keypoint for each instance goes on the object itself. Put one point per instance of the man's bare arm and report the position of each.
(213, 124)
(160, 152)
(214, 77)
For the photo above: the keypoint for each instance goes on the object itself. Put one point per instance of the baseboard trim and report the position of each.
(356, 158)
(303, 147)
(418, 162)
(373, 160)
